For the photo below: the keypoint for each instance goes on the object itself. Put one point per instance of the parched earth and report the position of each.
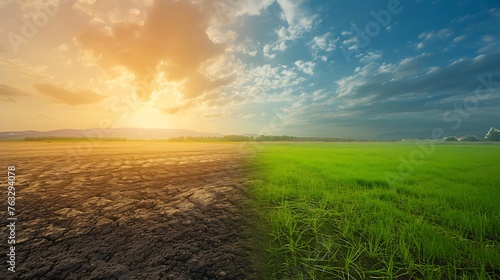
(129, 210)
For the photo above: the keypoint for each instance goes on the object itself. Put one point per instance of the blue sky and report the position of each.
(363, 69)
(398, 83)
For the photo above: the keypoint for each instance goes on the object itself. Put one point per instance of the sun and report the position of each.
(144, 116)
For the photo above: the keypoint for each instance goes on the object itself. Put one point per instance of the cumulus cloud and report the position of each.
(172, 41)
(9, 94)
(280, 47)
(267, 52)
(298, 19)
(324, 42)
(270, 50)
(70, 96)
(306, 67)
(298, 22)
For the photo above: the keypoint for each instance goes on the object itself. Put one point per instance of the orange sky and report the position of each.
(82, 64)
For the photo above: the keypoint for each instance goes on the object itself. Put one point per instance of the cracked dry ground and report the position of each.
(130, 210)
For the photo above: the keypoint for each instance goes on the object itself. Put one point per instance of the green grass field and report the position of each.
(335, 211)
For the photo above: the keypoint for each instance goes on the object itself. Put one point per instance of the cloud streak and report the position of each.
(69, 96)
(413, 77)
(10, 94)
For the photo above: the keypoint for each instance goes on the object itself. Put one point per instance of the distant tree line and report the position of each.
(261, 138)
(226, 138)
(62, 138)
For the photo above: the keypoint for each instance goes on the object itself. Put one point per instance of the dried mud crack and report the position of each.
(132, 211)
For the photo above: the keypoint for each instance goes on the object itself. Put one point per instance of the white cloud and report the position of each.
(319, 95)
(353, 47)
(326, 42)
(248, 47)
(459, 38)
(259, 84)
(282, 33)
(444, 33)
(488, 44)
(220, 36)
(266, 50)
(280, 47)
(306, 67)
(246, 116)
(322, 44)
(462, 18)
(298, 19)
(290, 10)
(349, 41)
(369, 57)
(433, 69)
(433, 35)
(386, 68)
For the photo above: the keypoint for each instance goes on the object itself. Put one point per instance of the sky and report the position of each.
(383, 69)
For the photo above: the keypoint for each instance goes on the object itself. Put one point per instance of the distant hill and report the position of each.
(129, 133)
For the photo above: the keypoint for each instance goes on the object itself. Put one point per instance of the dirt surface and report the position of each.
(121, 210)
